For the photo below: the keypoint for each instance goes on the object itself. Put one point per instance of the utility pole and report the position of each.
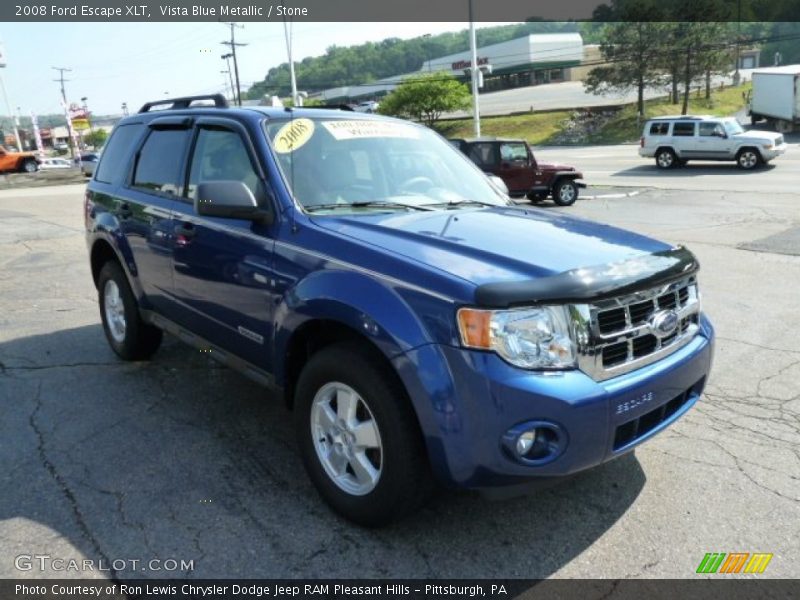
(233, 45)
(736, 75)
(476, 117)
(11, 115)
(227, 59)
(66, 108)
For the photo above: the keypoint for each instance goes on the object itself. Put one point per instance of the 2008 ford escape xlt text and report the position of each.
(421, 327)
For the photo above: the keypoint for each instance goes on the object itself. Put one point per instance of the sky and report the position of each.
(114, 63)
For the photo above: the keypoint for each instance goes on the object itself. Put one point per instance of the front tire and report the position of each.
(666, 159)
(30, 166)
(565, 193)
(748, 158)
(358, 436)
(129, 337)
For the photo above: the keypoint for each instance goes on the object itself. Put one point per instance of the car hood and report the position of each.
(493, 245)
(759, 136)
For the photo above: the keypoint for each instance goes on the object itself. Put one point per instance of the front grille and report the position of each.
(623, 330)
(632, 430)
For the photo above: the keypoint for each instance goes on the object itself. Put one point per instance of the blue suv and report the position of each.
(421, 326)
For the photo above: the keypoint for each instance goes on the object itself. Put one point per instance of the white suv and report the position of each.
(673, 141)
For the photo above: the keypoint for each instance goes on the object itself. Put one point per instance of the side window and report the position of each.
(513, 153)
(683, 128)
(117, 151)
(483, 155)
(159, 166)
(219, 155)
(710, 128)
(659, 128)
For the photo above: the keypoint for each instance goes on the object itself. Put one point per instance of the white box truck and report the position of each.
(776, 97)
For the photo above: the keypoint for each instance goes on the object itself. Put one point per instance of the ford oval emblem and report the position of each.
(664, 323)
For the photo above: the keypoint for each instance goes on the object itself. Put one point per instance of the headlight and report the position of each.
(767, 146)
(530, 338)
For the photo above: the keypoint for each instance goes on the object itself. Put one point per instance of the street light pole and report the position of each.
(476, 117)
(287, 34)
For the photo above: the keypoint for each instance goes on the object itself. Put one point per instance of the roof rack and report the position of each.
(185, 102)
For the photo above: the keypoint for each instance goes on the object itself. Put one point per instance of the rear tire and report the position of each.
(29, 166)
(748, 159)
(369, 463)
(565, 193)
(129, 337)
(666, 158)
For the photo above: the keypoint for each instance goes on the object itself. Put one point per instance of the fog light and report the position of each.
(525, 442)
(535, 443)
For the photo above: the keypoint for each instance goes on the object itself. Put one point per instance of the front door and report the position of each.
(515, 167)
(223, 278)
(712, 141)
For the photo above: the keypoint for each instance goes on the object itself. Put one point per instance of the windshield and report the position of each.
(358, 164)
(733, 127)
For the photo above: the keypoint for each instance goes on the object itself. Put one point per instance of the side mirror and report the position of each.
(231, 200)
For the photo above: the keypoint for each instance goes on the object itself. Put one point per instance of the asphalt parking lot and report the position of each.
(182, 459)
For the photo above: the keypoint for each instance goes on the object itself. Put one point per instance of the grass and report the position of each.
(537, 128)
(543, 128)
(625, 127)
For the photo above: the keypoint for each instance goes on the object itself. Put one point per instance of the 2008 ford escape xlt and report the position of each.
(421, 327)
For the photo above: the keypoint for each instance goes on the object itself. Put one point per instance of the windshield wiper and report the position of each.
(365, 204)
(464, 202)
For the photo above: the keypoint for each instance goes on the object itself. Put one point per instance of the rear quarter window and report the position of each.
(117, 152)
(659, 128)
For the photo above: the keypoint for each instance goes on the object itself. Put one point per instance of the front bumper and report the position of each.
(774, 152)
(468, 400)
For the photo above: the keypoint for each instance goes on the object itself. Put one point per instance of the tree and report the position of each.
(96, 138)
(425, 97)
(631, 51)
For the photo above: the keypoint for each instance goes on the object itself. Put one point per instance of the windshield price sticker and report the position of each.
(348, 130)
(293, 135)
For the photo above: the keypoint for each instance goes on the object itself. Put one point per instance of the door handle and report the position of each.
(184, 233)
(125, 211)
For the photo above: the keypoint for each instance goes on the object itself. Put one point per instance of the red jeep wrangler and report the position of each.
(513, 161)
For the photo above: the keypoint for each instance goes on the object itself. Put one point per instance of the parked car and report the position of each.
(18, 162)
(371, 106)
(420, 326)
(514, 162)
(88, 162)
(55, 163)
(673, 141)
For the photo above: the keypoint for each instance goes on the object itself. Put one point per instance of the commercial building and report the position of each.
(529, 60)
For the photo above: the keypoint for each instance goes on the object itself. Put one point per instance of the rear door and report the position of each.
(144, 205)
(223, 268)
(684, 140)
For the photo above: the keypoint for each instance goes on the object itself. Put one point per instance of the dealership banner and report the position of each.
(407, 589)
(408, 10)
